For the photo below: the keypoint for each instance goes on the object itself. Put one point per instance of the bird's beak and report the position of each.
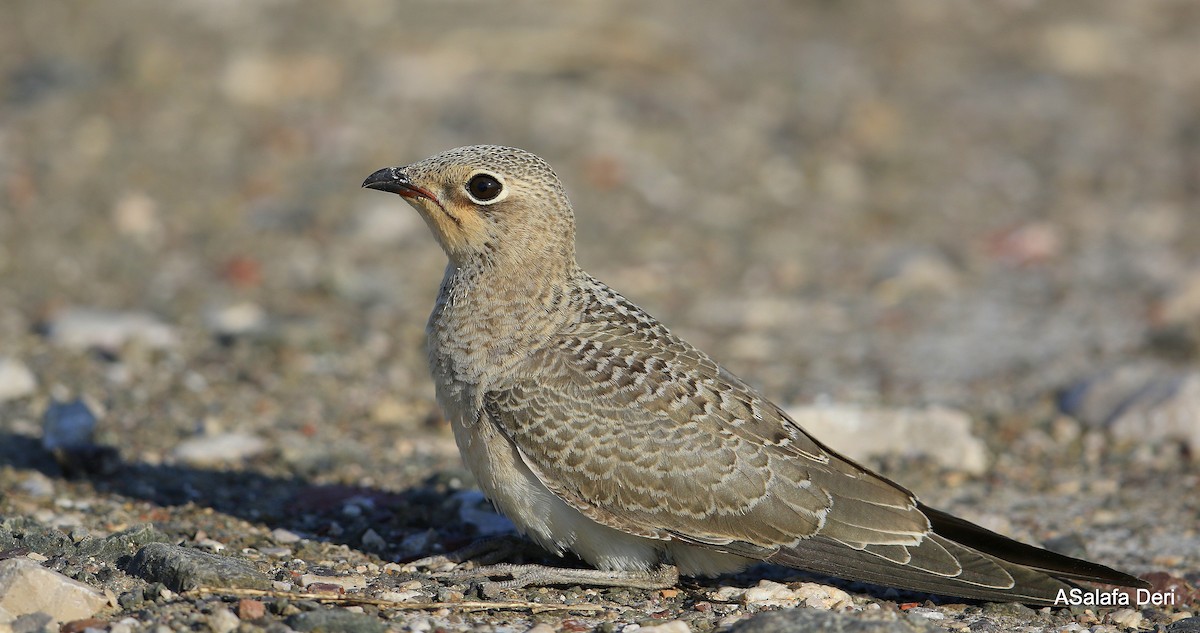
(392, 180)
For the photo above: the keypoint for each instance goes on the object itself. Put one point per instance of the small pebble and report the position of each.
(210, 545)
(818, 596)
(372, 541)
(285, 537)
(68, 426)
(930, 614)
(222, 448)
(403, 596)
(674, 626)
(248, 609)
(350, 582)
(236, 319)
(16, 381)
(36, 485)
(1126, 617)
(123, 626)
(223, 620)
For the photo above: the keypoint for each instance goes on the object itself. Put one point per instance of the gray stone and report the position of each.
(68, 432)
(1139, 404)
(183, 569)
(474, 509)
(336, 621)
(26, 587)
(805, 620)
(123, 543)
(30, 623)
(68, 426)
(1186, 625)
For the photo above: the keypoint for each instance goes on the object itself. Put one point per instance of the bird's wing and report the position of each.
(642, 432)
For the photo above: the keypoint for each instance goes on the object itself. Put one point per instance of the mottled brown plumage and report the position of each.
(597, 430)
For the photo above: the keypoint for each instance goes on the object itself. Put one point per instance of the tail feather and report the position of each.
(998, 546)
(994, 567)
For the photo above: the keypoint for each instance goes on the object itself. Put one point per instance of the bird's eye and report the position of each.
(484, 187)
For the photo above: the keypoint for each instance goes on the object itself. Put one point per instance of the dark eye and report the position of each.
(484, 187)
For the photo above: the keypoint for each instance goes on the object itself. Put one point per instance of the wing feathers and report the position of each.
(645, 434)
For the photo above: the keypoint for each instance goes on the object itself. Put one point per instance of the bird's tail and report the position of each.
(993, 567)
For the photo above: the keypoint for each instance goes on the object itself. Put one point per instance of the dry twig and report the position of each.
(464, 605)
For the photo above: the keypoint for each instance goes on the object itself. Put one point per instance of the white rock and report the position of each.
(773, 594)
(285, 537)
(406, 596)
(352, 581)
(83, 328)
(540, 628)
(211, 545)
(817, 596)
(941, 434)
(207, 450)
(727, 593)
(27, 587)
(929, 614)
(16, 381)
(236, 319)
(1126, 618)
(223, 621)
(674, 626)
(135, 214)
(768, 593)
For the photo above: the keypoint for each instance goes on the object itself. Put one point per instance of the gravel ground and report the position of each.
(993, 208)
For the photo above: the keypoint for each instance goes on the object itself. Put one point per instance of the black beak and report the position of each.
(392, 180)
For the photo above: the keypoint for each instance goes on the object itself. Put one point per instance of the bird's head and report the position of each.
(488, 204)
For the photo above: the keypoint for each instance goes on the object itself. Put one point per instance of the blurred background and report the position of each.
(900, 203)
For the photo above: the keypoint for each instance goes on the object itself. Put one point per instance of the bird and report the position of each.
(597, 431)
